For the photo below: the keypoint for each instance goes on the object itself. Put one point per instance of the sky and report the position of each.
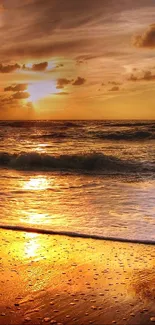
(77, 59)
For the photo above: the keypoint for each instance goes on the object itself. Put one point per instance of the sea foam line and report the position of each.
(75, 234)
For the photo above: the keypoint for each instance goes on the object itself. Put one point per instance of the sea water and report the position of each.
(84, 177)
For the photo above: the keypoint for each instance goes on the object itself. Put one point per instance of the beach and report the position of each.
(55, 279)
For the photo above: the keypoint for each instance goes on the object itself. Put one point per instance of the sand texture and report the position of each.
(48, 279)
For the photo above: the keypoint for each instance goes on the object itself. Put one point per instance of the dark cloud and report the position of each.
(40, 66)
(37, 67)
(79, 81)
(60, 65)
(46, 49)
(52, 27)
(115, 88)
(62, 93)
(62, 82)
(21, 95)
(87, 57)
(16, 88)
(9, 68)
(147, 76)
(147, 39)
(133, 78)
(78, 62)
(114, 83)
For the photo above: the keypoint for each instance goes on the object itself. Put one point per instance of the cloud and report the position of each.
(147, 39)
(60, 65)
(47, 30)
(62, 93)
(37, 67)
(115, 88)
(46, 49)
(21, 95)
(9, 68)
(16, 88)
(40, 66)
(147, 76)
(79, 81)
(63, 82)
(133, 78)
(114, 83)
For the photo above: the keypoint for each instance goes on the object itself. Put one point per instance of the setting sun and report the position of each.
(40, 90)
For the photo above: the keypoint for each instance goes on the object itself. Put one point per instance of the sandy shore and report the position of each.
(48, 279)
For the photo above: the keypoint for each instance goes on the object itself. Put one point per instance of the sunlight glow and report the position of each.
(42, 89)
(34, 218)
(36, 184)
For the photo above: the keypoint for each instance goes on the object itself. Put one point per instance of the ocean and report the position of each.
(91, 178)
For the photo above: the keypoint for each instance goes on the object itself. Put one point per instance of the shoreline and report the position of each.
(48, 279)
(75, 234)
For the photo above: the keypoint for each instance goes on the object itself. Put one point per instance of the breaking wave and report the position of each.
(97, 162)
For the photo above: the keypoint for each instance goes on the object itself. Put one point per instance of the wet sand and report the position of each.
(47, 279)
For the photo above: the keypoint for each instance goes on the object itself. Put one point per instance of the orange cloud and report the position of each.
(79, 81)
(115, 88)
(16, 88)
(62, 93)
(148, 76)
(9, 68)
(21, 95)
(63, 82)
(37, 67)
(147, 39)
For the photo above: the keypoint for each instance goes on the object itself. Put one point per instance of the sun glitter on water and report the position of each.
(41, 90)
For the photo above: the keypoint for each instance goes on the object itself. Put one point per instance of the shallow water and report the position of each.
(87, 177)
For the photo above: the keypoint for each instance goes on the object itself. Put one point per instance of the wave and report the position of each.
(139, 135)
(75, 234)
(53, 135)
(131, 123)
(43, 123)
(80, 130)
(125, 135)
(97, 162)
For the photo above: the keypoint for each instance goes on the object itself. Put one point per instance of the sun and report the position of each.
(40, 90)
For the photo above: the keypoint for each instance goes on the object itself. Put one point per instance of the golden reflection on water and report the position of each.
(35, 210)
(36, 184)
(34, 218)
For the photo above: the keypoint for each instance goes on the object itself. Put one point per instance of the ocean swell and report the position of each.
(97, 162)
(125, 135)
